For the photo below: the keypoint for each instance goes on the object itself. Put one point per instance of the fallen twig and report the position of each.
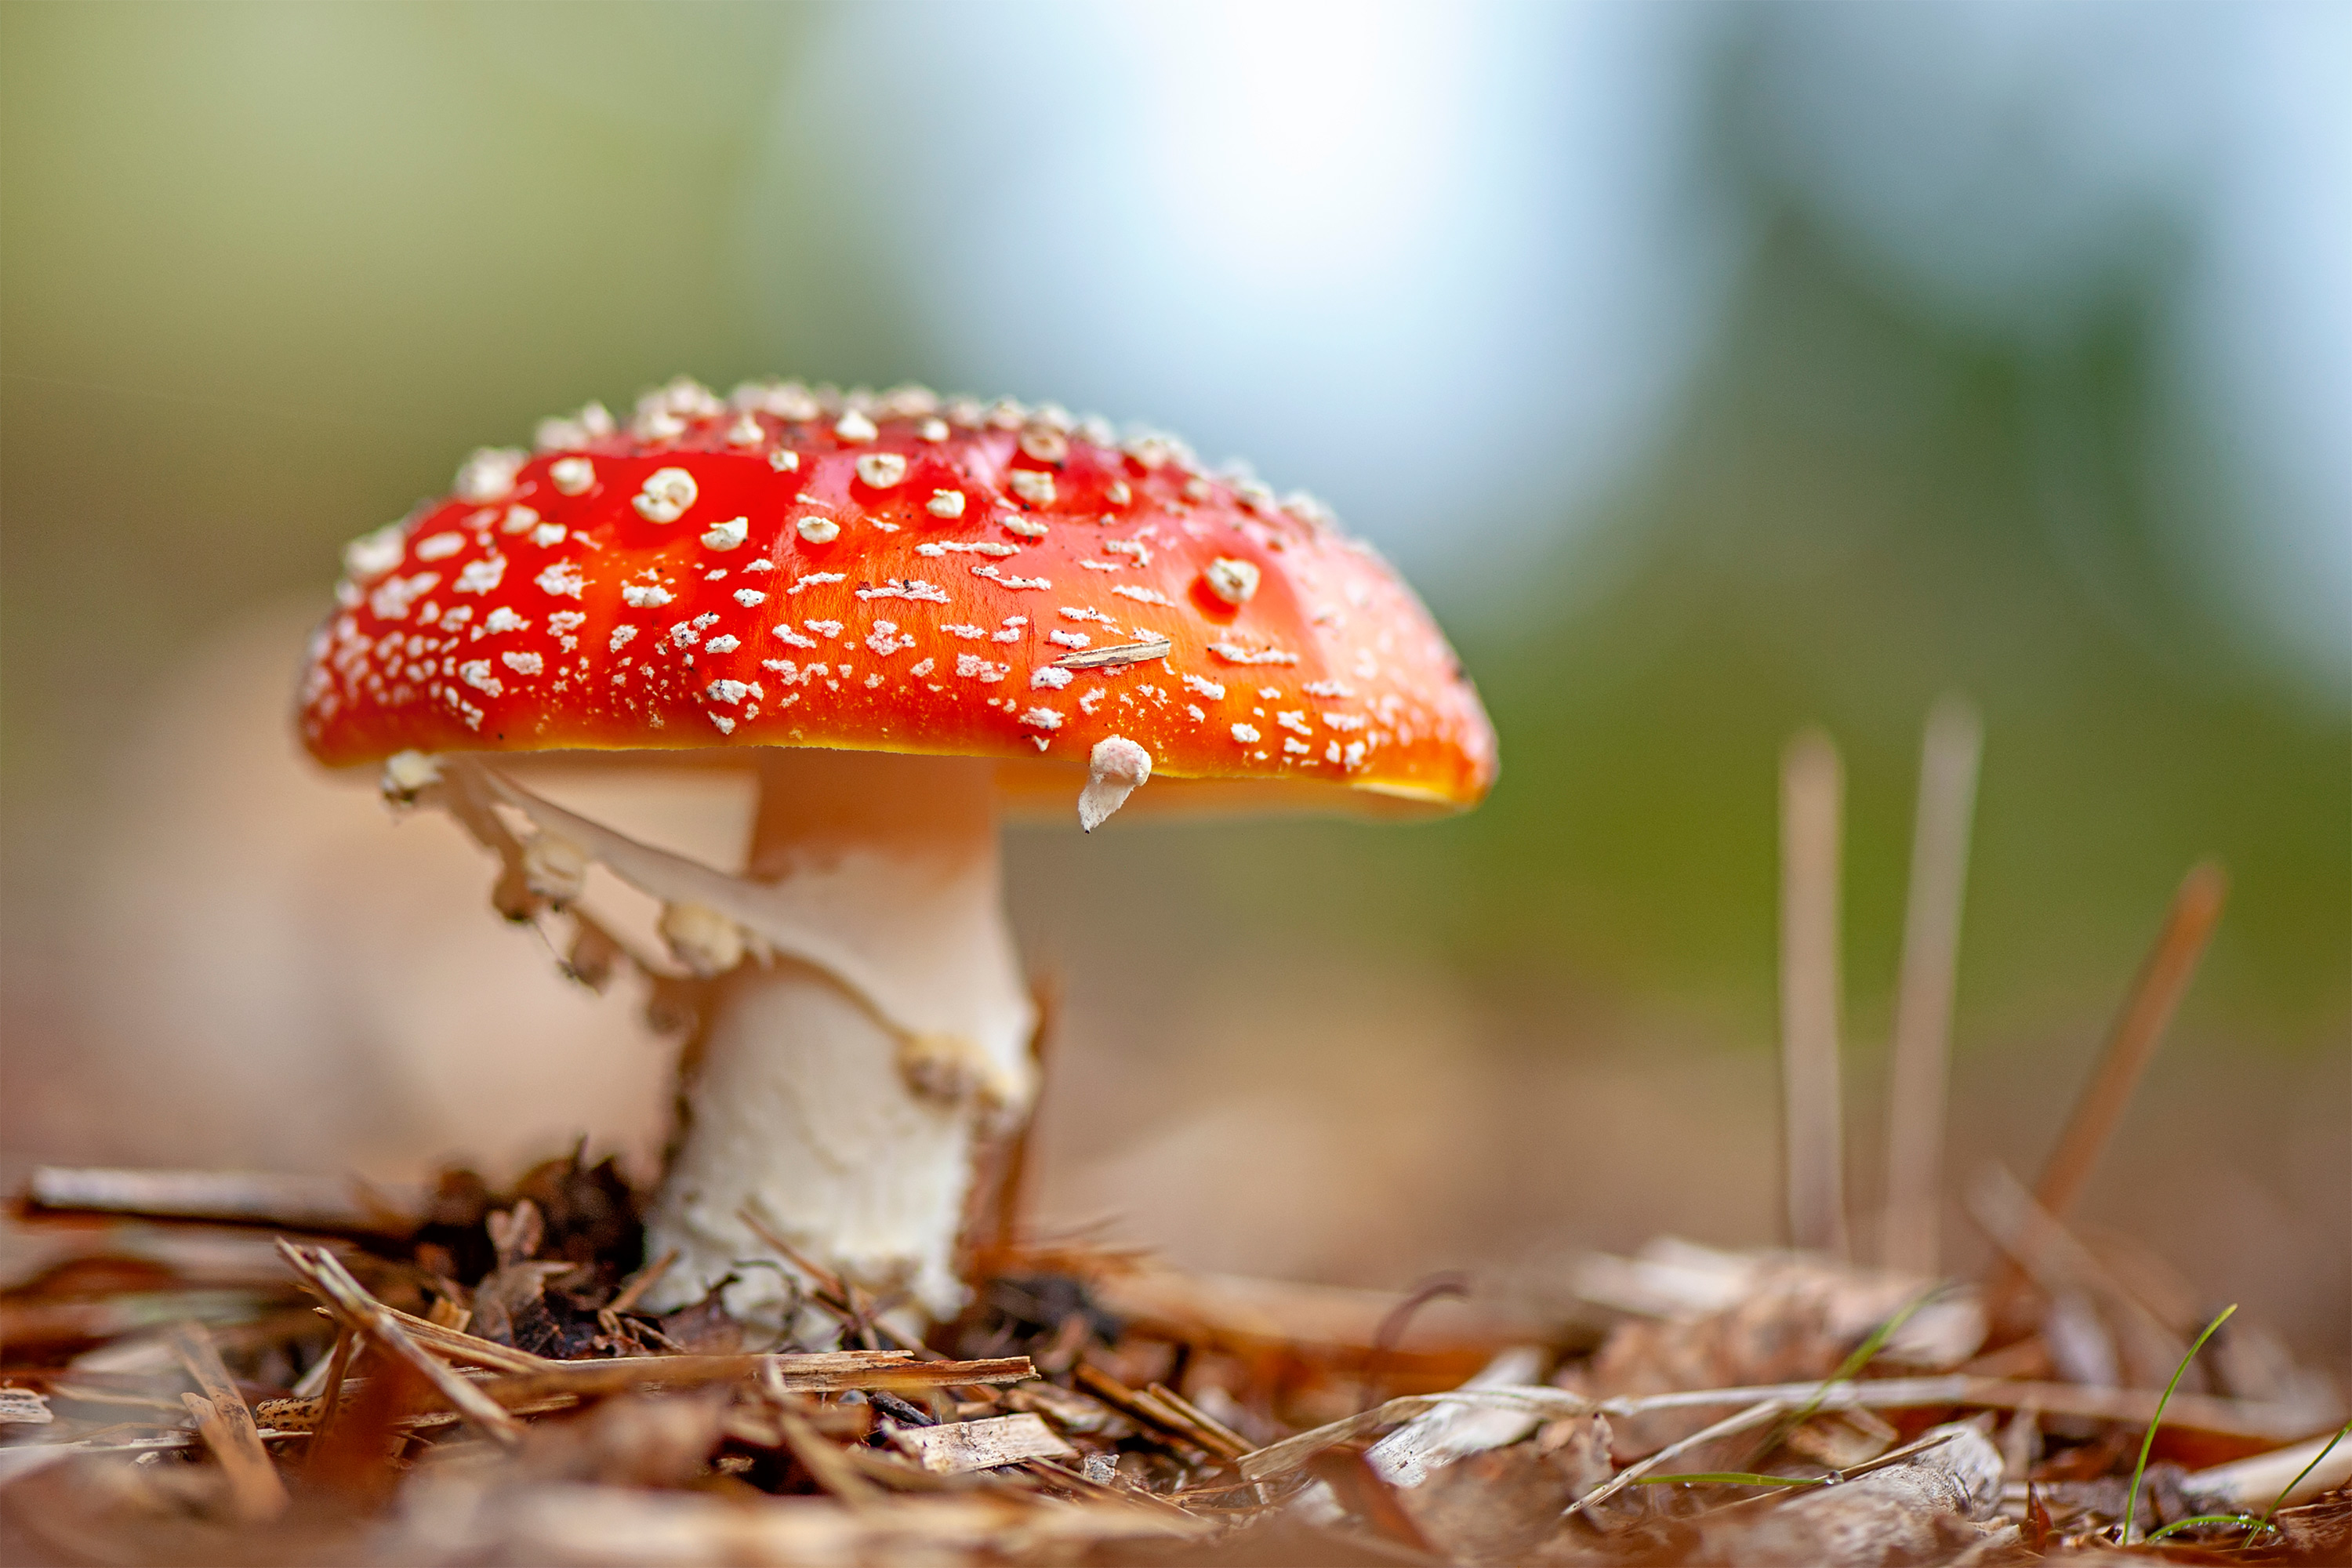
(362, 1313)
(256, 1493)
(2155, 995)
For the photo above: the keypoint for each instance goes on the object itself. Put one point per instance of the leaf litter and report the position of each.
(255, 1368)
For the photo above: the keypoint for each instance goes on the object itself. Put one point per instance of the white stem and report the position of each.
(848, 1131)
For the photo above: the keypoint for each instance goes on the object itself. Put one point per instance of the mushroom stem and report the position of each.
(851, 1138)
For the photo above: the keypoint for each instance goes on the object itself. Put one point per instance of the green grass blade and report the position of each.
(1862, 1356)
(2341, 1432)
(2131, 1499)
(2155, 1535)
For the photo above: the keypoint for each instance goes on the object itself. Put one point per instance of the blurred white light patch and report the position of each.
(2012, 162)
(1441, 265)
(2265, 348)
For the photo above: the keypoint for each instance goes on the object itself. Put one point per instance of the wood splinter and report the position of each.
(226, 1423)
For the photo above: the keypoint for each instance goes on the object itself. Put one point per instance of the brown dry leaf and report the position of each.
(1495, 1506)
(1791, 1320)
(1927, 1509)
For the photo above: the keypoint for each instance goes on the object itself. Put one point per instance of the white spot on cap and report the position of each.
(1026, 527)
(945, 503)
(1211, 690)
(644, 595)
(622, 635)
(503, 620)
(725, 642)
(784, 460)
(1246, 734)
(1044, 718)
(746, 431)
(933, 430)
(657, 424)
(818, 529)
(910, 588)
(854, 427)
(749, 598)
(665, 496)
(814, 580)
(1142, 595)
(882, 470)
(476, 673)
(1069, 639)
(972, 666)
(548, 535)
(490, 474)
(371, 556)
(938, 547)
(1044, 443)
(439, 546)
(1233, 581)
(1032, 485)
(573, 475)
(481, 576)
(523, 663)
(1050, 677)
(562, 579)
(727, 535)
(518, 519)
(1116, 769)
(1236, 653)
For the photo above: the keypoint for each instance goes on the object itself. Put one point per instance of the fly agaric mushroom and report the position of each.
(901, 615)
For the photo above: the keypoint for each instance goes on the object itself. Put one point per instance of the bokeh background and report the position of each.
(1713, 368)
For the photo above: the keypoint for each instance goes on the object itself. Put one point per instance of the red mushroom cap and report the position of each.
(893, 573)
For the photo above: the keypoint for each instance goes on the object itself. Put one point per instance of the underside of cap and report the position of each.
(896, 574)
(1030, 791)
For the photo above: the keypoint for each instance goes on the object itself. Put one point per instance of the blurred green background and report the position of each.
(1716, 371)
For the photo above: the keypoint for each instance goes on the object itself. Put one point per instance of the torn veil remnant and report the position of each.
(903, 616)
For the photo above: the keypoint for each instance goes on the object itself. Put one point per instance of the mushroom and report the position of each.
(905, 618)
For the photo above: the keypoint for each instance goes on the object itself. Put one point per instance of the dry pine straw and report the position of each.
(473, 1383)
